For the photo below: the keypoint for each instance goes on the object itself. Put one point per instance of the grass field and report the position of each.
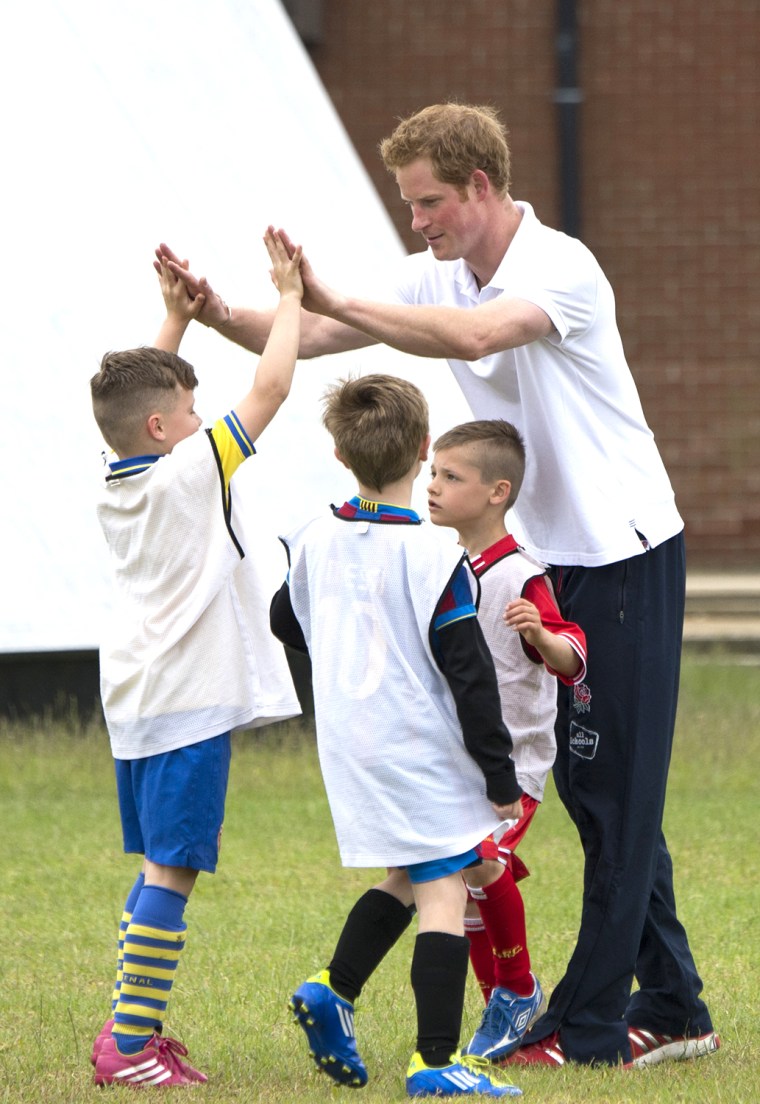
(272, 913)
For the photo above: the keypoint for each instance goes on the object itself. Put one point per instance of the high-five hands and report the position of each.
(213, 310)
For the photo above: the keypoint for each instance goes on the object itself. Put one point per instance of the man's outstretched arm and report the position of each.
(432, 331)
(250, 328)
(429, 331)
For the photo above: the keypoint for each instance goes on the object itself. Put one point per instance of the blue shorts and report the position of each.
(439, 868)
(172, 805)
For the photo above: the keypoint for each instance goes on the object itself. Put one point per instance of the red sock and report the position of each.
(503, 913)
(481, 956)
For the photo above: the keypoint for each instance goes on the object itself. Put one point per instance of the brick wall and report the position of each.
(670, 202)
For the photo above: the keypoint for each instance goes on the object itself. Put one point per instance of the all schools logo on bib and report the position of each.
(583, 742)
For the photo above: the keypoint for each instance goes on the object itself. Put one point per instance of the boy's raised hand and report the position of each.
(180, 309)
(178, 303)
(317, 296)
(274, 372)
(213, 310)
(286, 264)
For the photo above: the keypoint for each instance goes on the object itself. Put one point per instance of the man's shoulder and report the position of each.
(532, 230)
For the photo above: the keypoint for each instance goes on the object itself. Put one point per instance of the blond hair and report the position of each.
(378, 423)
(498, 452)
(457, 139)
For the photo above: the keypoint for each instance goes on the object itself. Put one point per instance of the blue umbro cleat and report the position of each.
(506, 1020)
(328, 1021)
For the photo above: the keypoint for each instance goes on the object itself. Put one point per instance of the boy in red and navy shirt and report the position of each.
(476, 475)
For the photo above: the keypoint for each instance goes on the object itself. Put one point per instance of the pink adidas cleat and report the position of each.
(157, 1064)
(97, 1046)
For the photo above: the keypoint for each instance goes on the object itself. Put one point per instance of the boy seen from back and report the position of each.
(477, 472)
(188, 656)
(413, 749)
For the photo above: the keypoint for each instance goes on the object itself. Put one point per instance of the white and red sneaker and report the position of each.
(157, 1064)
(648, 1048)
(546, 1052)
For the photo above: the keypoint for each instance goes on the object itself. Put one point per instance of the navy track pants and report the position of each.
(614, 737)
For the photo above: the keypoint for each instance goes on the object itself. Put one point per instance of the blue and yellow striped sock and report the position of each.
(126, 916)
(153, 943)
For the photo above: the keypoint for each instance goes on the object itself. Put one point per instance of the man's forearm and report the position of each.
(248, 328)
(447, 332)
(420, 331)
(319, 335)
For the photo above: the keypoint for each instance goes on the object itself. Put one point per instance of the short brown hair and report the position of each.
(378, 423)
(457, 139)
(499, 451)
(130, 385)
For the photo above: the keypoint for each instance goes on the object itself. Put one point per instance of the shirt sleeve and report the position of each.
(233, 445)
(562, 278)
(283, 621)
(466, 664)
(538, 590)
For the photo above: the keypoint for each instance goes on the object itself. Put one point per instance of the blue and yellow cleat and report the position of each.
(328, 1021)
(464, 1076)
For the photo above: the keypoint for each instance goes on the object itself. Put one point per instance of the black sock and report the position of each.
(373, 925)
(439, 976)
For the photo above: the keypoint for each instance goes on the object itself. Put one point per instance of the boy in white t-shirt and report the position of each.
(477, 472)
(187, 657)
(413, 749)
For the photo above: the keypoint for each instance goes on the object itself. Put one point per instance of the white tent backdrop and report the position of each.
(125, 125)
